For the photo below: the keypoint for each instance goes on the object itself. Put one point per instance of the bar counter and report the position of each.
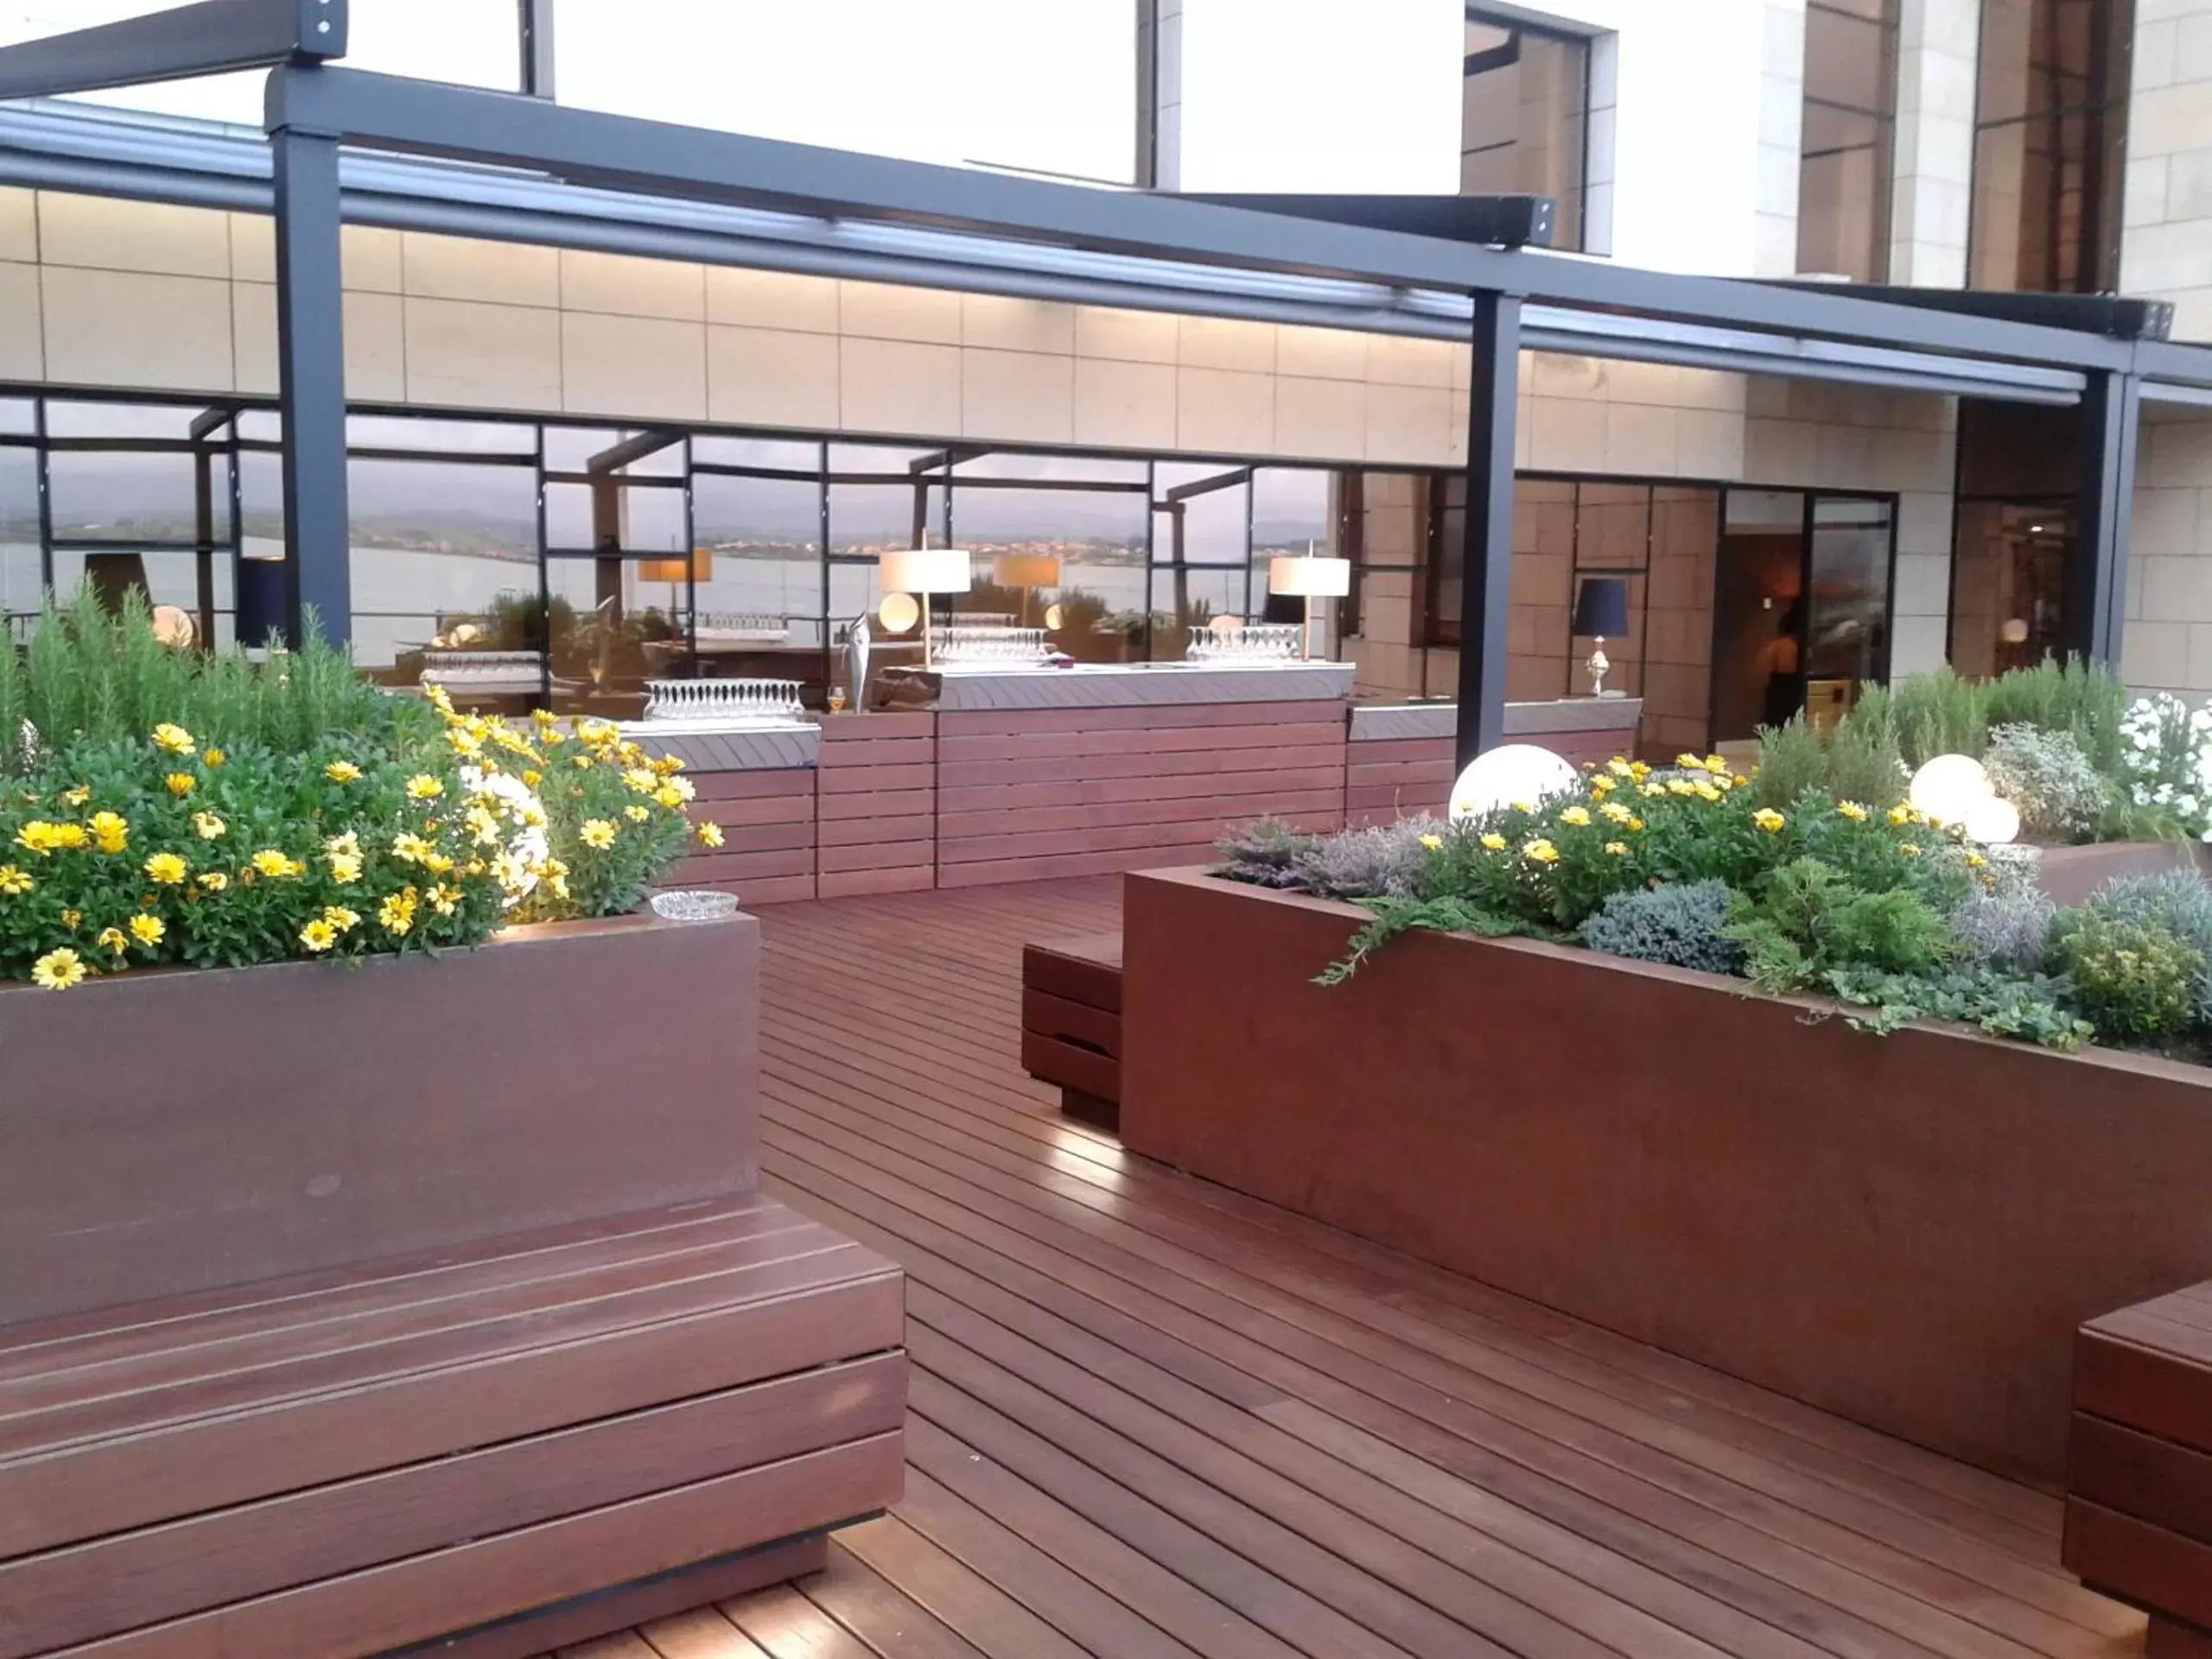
(981, 774)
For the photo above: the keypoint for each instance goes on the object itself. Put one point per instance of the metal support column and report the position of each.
(1486, 567)
(2096, 574)
(311, 382)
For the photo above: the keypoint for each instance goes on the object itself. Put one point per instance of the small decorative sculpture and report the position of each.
(857, 640)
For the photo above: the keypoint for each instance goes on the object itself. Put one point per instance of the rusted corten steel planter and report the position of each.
(1905, 1231)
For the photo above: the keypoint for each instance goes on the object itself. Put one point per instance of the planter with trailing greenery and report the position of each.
(1610, 1050)
(252, 1031)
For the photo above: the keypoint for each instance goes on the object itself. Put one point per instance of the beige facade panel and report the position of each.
(1020, 397)
(901, 387)
(253, 248)
(772, 377)
(126, 328)
(1124, 405)
(1321, 353)
(1394, 359)
(1222, 411)
(253, 337)
(627, 286)
(1709, 443)
(373, 258)
(1565, 435)
(104, 233)
(19, 226)
(1324, 420)
(376, 347)
(648, 367)
(771, 299)
(882, 311)
(1225, 343)
(465, 268)
(1129, 336)
(1639, 440)
(22, 355)
(480, 356)
(1411, 426)
(2168, 644)
(999, 323)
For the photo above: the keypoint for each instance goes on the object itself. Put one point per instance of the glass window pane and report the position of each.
(103, 495)
(866, 519)
(261, 506)
(1192, 598)
(1203, 526)
(445, 560)
(1100, 469)
(1847, 619)
(405, 432)
(628, 518)
(19, 585)
(261, 426)
(878, 461)
(1524, 119)
(1850, 106)
(18, 416)
(614, 627)
(709, 449)
(763, 573)
(582, 450)
(1063, 560)
(90, 420)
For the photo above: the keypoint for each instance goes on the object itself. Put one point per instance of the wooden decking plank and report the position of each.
(1098, 1338)
(1911, 1617)
(883, 1615)
(1858, 1530)
(703, 1633)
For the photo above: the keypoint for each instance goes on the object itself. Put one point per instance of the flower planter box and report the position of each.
(2069, 875)
(1905, 1231)
(173, 1131)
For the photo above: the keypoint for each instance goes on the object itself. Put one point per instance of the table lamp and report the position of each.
(1307, 577)
(1025, 571)
(923, 571)
(1600, 614)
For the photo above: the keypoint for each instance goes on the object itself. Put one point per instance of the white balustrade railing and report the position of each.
(484, 670)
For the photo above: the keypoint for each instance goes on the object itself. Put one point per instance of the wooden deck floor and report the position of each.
(1151, 1418)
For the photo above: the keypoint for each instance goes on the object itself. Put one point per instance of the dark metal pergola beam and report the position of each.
(214, 37)
(1486, 566)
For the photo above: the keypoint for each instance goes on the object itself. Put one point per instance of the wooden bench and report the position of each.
(466, 1447)
(2138, 1500)
(1071, 1023)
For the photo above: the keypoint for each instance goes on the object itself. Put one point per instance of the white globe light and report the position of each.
(1512, 772)
(1949, 787)
(1994, 821)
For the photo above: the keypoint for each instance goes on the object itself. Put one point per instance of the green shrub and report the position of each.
(2044, 773)
(1679, 925)
(2132, 979)
(1863, 761)
(2026, 1008)
(1792, 761)
(1809, 920)
(1382, 861)
(1938, 713)
(2008, 931)
(1266, 853)
(2085, 700)
(2180, 901)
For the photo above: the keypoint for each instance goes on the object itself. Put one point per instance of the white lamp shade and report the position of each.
(1511, 773)
(1026, 570)
(1298, 576)
(1949, 787)
(925, 570)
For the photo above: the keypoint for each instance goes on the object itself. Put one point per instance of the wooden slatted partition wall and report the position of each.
(876, 803)
(1397, 778)
(1030, 793)
(768, 834)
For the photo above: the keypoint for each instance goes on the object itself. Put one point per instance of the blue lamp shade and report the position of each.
(262, 607)
(1601, 609)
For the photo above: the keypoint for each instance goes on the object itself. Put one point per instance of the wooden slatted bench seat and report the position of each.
(478, 1441)
(1071, 1023)
(2139, 1501)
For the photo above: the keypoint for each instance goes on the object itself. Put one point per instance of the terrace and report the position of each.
(1149, 1416)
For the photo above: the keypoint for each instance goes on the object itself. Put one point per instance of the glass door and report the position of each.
(1846, 645)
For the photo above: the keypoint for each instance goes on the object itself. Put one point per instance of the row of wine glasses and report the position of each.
(1247, 642)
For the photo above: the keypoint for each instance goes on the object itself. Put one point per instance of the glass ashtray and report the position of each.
(694, 904)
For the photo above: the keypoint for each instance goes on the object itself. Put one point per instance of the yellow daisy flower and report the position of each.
(208, 827)
(342, 771)
(397, 913)
(1617, 848)
(1578, 816)
(1541, 852)
(1769, 820)
(597, 832)
(109, 833)
(181, 784)
(214, 881)
(318, 935)
(635, 813)
(1432, 842)
(148, 931)
(1494, 842)
(165, 869)
(173, 740)
(424, 787)
(13, 881)
(114, 939)
(212, 757)
(76, 796)
(345, 868)
(711, 835)
(1852, 810)
(57, 970)
(339, 917)
(277, 866)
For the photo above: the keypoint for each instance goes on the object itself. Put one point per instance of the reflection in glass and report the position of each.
(615, 514)
(612, 625)
(763, 572)
(21, 583)
(127, 496)
(95, 420)
(444, 560)
(1070, 560)
(2050, 121)
(1844, 176)
(657, 453)
(2008, 599)
(780, 454)
(1523, 118)
(1846, 622)
(413, 432)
